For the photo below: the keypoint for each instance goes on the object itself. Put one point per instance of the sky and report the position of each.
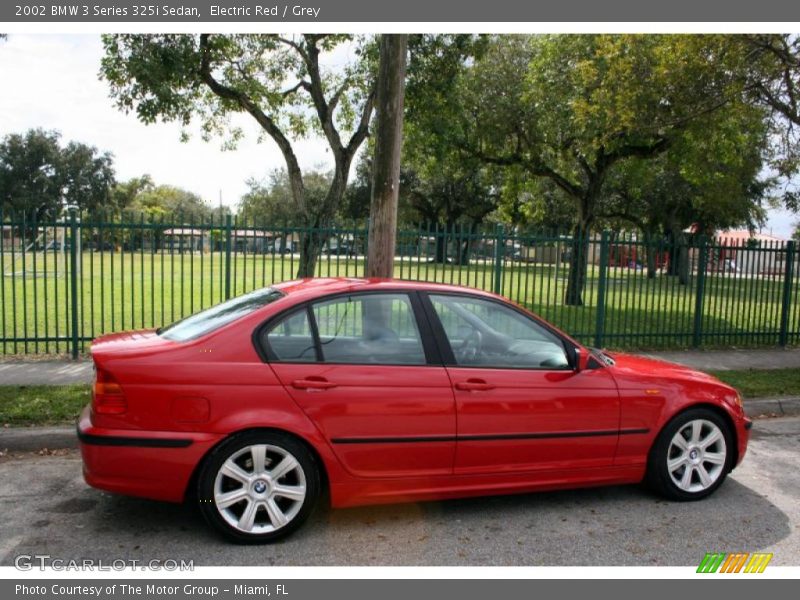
(51, 82)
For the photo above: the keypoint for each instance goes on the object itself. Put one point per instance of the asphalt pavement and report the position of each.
(46, 508)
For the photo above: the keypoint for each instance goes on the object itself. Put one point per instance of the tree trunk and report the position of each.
(650, 253)
(466, 245)
(311, 242)
(683, 262)
(579, 255)
(386, 164)
(440, 255)
(317, 223)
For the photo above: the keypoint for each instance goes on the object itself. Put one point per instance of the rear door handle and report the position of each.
(474, 385)
(313, 383)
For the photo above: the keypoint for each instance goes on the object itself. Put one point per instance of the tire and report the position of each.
(694, 468)
(253, 505)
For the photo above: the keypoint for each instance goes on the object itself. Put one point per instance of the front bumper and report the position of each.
(743, 427)
(148, 464)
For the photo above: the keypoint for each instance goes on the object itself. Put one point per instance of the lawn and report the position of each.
(58, 405)
(763, 383)
(128, 290)
(42, 404)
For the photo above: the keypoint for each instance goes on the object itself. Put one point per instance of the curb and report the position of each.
(33, 439)
(781, 407)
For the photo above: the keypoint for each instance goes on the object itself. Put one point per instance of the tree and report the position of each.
(772, 75)
(386, 165)
(571, 108)
(124, 193)
(279, 81)
(30, 185)
(87, 177)
(38, 177)
(443, 185)
(268, 202)
(169, 201)
(775, 72)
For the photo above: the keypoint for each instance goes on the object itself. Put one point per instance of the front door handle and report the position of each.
(313, 383)
(474, 385)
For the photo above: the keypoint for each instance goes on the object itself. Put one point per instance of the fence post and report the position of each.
(73, 278)
(601, 291)
(702, 264)
(788, 277)
(499, 251)
(228, 232)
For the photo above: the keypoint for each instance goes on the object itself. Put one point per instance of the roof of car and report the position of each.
(331, 285)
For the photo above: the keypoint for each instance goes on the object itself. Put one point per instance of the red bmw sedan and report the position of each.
(387, 391)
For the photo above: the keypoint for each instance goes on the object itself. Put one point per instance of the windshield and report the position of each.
(215, 317)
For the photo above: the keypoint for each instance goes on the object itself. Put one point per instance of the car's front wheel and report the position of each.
(692, 455)
(258, 486)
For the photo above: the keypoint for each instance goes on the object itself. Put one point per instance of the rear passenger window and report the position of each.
(369, 329)
(291, 339)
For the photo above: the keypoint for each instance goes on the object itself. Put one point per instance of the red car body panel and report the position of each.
(386, 402)
(382, 433)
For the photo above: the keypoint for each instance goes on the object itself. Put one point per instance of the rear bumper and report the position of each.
(148, 464)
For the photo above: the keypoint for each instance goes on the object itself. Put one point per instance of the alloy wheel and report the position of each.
(260, 489)
(696, 456)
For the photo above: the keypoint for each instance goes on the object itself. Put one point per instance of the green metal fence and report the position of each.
(68, 280)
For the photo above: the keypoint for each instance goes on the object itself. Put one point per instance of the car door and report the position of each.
(520, 406)
(365, 369)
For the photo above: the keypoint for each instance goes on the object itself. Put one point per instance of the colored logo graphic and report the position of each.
(736, 562)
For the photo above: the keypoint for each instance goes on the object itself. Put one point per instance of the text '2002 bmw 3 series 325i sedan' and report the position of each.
(387, 391)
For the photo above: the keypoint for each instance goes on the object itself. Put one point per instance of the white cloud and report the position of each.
(51, 81)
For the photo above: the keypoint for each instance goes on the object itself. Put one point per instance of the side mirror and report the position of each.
(574, 356)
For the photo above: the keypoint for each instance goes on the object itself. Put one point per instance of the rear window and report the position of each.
(215, 317)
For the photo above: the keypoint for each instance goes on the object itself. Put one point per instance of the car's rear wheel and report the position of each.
(692, 455)
(258, 486)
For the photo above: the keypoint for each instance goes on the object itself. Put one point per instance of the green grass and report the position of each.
(762, 383)
(59, 405)
(131, 290)
(42, 404)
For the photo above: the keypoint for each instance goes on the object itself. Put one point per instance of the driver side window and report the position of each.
(483, 333)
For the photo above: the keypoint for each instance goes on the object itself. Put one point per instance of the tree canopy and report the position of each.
(39, 176)
(279, 81)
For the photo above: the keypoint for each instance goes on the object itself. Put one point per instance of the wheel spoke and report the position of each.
(680, 442)
(705, 478)
(248, 517)
(234, 471)
(711, 438)
(293, 492)
(697, 431)
(686, 480)
(716, 458)
(230, 498)
(675, 463)
(284, 467)
(276, 516)
(259, 456)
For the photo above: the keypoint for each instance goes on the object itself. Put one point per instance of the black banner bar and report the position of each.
(347, 11)
(340, 589)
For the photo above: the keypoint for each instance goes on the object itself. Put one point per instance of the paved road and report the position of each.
(45, 507)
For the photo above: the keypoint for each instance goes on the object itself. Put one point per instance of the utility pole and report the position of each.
(386, 163)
